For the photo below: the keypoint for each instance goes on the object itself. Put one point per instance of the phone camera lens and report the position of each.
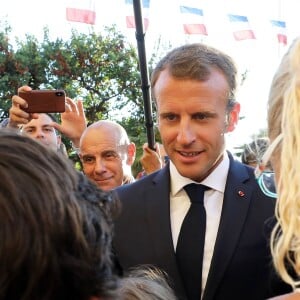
(59, 94)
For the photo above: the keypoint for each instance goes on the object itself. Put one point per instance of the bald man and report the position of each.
(107, 154)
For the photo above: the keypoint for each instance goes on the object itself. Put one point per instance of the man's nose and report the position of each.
(39, 134)
(186, 133)
(100, 166)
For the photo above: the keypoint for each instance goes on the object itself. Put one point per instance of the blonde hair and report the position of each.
(284, 117)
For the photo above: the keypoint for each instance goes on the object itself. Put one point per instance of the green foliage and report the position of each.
(14, 69)
(101, 69)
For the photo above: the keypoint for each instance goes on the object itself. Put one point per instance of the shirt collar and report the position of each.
(215, 180)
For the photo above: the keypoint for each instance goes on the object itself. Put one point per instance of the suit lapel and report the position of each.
(236, 203)
(159, 229)
(159, 206)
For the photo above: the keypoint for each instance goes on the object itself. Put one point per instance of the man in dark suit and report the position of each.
(194, 89)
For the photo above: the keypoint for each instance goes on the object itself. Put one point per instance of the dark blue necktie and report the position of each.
(190, 245)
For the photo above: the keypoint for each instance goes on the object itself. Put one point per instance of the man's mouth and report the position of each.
(102, 179)
(189, 154)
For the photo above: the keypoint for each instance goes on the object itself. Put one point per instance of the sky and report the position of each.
(259, 57)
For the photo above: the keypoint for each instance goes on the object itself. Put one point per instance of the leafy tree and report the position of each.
(14, 69)
(102, 69)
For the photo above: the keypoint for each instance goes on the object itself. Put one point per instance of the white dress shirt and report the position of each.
(213, 201)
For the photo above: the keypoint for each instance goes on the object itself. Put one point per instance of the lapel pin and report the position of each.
(241, 193)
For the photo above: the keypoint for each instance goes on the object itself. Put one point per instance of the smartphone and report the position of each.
(44, 101)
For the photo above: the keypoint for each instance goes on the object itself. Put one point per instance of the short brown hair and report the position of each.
(196, 61)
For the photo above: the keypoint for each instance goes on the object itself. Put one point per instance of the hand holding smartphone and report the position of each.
(44, 101)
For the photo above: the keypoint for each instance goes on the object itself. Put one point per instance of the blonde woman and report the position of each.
(284, 154)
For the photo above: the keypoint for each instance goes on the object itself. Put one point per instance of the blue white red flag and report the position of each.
(193, 20)
(241, 27)
(280, 31)
(130, 21)
(82, 11)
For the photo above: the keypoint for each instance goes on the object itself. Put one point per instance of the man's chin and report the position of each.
(195, 173)
(47, 145)
(105, 185)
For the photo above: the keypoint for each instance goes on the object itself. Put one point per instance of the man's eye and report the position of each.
(88, 159)
(202, 116)
(170, 117)
(110, 155)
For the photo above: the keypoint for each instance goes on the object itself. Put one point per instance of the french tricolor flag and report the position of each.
(193, 21)
(280, 30)
(130, 21)
(241, 27)
(82, 11)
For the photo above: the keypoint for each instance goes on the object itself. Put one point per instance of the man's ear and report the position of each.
(233, 118)
(131, 151)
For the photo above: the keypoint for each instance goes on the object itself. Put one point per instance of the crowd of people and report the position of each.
(102, 234)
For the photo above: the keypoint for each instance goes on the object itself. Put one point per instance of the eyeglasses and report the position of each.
(265, 178)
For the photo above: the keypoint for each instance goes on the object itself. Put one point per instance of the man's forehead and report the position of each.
(100, 139)
(99, 146)
(43, 119)
(95, 136)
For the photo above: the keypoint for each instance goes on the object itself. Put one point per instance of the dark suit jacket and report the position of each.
(241, 266)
